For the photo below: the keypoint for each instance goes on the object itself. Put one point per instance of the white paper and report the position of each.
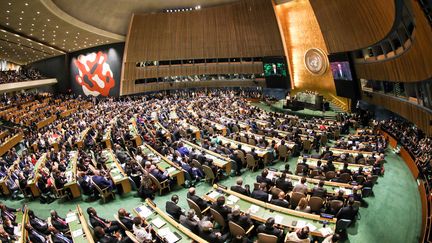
(254, 208)
(326, 231)
(77, 233)
(270, 197)
(158, 222)
(270, 175)
(17, 230)
(144, 212)
(170, 169)
(300, 224)
(278, 219)
(168, 235)
(311, 227)
(233, 198)
(71, 218)
(214, 194)
(117, 177)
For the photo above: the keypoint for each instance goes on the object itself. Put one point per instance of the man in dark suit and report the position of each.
(102, 237)
(190, 221)
(125, 218)
(348, 212)
(345, 169)
(220, 207)
(101, 181)
(202, 204)
(281, 201)
(319, 191)
(284, 184)
(239, 187)
(242, 220)
(208, 234)
(106, 225)
(261, 193)
(173, 209)
(263, 178)
(59, 223)
(269, 228)
(7, 212)
(35, 236)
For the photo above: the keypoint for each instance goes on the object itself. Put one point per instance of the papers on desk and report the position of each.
(158, 222)
(311, 227)
(168, 235)
(143, 211)
(326, 231)
(300, 224)
(270, 175)
(71, 218)
(213, 194)
(170, 169)
(117, 177)
(278, 219)
(233, 199)
(77, 233)
(254, 208)
(17, 230)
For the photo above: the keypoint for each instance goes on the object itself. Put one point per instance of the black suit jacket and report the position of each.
(240, 190)
(128, 222)
(199, 201)
(190, 224)
(94, 222)
(223, 210)
(269, 230)
(319, 192)
(284, 185)
(261, 179)
(280, 202)
(347, 212)
(60, 226)
(210, 237)
(173, 210)
(244, 221)
(36, 239)
(260, 195)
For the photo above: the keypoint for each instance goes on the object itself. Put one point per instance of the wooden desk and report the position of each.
(179, 230)
(285, 217)
(165, 131)
(71, 174)
(117, 174)
(242, 125)
(311, 162)
(22, 219)
(32, 183)
(46, 121)
(10, 143)
(163, 164)
(195, 130)
(354, 153)
(218, 126)
(82, 137)
(264, 154)
(80, 224)
(219, 160)
(133, 131)
(332, 187)
(290, 145)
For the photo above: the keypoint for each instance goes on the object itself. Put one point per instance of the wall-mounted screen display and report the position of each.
(341, 70)
(276, 72)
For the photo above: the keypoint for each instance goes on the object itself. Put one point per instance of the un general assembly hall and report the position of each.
(216, 121)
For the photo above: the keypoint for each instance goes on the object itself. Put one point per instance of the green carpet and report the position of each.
(305, 113)
(393, 215)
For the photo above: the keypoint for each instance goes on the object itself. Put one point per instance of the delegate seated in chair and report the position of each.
(58, 222)
(239, 187)
(190, 221)
(221, 208)
(269, 228)
(242, 220)
(261, 193)
(173, 209)
(348, 212)
(106, 225)
(202, 204)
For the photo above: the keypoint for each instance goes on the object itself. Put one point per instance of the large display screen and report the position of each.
(341, 70)
(276, 72)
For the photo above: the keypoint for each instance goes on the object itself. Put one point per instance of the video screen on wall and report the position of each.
(276, 72)
(341, 70)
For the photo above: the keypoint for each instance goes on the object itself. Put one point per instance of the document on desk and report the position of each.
(311, 227)
(117, 177)
(233, 199)
(168, 235)
(77, 233)
(213, 194)
(326, 231)
(301, 224)
(143, 211)
(278, 219)
(171, 169)
(71, 218)
(158, 222)
(270, 175)
(254, 208)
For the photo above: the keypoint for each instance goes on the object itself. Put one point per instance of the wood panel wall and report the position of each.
(413, 65)
(412, 112)
(352, 25)
(142, 88)
(247, 28)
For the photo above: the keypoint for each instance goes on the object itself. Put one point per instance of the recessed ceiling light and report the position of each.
(67, 32)
(38, 12)
(22, 12)
(48, 20)
(7, 11)
(10, 4)
(7, 23)
(20, 18)
(19, 29)
(26, 4)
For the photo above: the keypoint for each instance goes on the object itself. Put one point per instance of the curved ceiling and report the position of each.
(114, 15)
